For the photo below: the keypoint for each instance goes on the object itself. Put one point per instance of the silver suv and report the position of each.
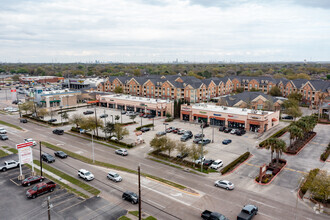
(114, 177)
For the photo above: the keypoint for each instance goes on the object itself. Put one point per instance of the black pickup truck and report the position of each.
(208, 215)
(247, 212)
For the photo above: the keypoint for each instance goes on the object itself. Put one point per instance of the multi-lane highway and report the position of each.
(159, 199)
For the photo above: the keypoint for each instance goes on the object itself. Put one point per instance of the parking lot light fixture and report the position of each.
(165, 127)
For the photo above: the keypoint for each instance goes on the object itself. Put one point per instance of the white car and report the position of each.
(114, 138)
(130, 113)
(224, 184)
(114, 177)
(3, 131)
(122, 152)
(85, 174)
(26, 140)
(233, 131)
(8, 108)
(199, 160)
(216, 164)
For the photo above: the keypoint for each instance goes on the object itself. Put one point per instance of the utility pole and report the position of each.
(140, 214)
(213, 134)
(97, 130)
(48, 207)
(105, 122)
(93, 148)
(40, 158)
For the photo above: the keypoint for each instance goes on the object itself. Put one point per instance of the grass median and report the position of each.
(10, 125)
(89, 139)
(3, 154)
(111, 166)
(69, 188)
(69, 178)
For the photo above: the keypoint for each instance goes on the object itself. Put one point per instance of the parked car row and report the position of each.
(238, 132)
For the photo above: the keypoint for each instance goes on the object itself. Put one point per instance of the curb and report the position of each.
(265, 184)
(193, 194)
(251, 155)
(301, 148)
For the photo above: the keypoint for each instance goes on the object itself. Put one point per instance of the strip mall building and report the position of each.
(248, 119)
(157, 107)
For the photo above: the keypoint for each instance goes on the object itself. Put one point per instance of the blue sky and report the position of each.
(164, 30)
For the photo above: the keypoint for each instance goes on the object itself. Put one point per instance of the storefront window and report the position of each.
(236, 125)
(216, 122)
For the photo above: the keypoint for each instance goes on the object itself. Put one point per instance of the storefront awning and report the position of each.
(237, 121)
(274, 119)
(200, 116)
(55, 101)
(185, 113)
(254, 123)
(218, 118)
(43, 101)
(90, 102)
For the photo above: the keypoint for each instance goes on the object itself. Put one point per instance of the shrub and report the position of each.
(325, 154)
(169, 119)
(276, 170)
(143, 126)
(236, 162)
(276, 135)
(309, 180)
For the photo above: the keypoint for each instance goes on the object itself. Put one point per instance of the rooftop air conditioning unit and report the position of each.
(225, 108)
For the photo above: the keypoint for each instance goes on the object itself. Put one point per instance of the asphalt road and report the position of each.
(275, 202)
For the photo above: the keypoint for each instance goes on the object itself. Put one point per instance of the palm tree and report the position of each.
(117, 117)
(270, 143)
(279, 148)
(295, 133)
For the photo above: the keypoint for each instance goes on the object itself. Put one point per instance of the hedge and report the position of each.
(275, 135)
(128, 123)
(45, 122)
(144, 126)
(169, 119)
(309, 180)
(236, 162)
(325, 154)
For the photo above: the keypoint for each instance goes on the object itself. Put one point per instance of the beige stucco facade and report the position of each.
(247, 119)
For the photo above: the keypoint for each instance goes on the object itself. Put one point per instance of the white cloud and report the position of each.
(152, 30)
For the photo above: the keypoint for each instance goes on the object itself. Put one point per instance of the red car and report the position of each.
(40, 188)
(141, 114)
(32, 179)
(176, 130)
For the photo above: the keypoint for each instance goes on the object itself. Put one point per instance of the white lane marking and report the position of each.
(271, 217)
(163, 194)
(155, 203)
(176, 194)
(263, 203)
(146, 165)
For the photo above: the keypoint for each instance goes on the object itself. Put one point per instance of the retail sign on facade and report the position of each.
(217, 114)
(255, 117)
(203, 112)
(186, 109)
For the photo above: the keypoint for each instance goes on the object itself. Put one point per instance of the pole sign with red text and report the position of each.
(25, 154)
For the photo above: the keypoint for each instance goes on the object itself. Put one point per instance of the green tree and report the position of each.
(296, 96)
(76, 119)
(270, 145)
(120, 131)
(294, 111)
(109, 128)
(168, 115)
(170, 146)
(320, 187)
(194, 153)
(156, 144)
(295, 133)
(117, 117)
(275, 91)
(118, 89)
(279, 148)
(65, 115)
(239, 90)
(132, 117)
(42, 112)
(27, 107)
(182, 148)
(15, 77)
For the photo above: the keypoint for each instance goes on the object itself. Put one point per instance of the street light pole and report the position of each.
(213, 134)
(93, 149)
(202, 147)
(97, 130)
(153, 124)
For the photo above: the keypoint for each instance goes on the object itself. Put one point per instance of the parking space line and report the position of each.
(72, 205)
(64, 201)
(94, 211)
(58, 196)
(14, 182)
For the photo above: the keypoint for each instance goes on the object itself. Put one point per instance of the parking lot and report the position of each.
(65, 205)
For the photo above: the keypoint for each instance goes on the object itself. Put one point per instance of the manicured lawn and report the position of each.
(10, 125)
(3, 154)
(13, 150)
(69, 178)
(108, 165)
